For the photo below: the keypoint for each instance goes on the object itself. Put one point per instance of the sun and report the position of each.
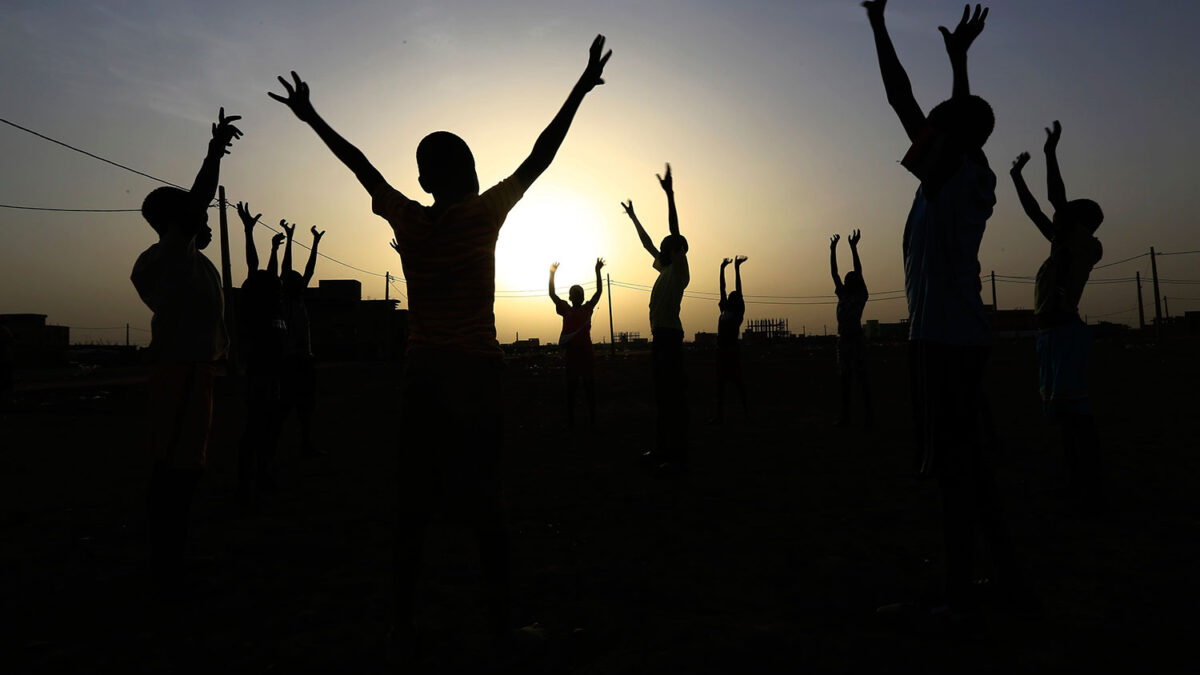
(553, 224)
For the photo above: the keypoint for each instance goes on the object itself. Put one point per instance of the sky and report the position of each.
(772, 114)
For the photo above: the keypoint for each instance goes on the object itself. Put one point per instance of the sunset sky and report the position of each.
(772, 114)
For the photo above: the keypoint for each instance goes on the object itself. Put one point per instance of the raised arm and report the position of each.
(958, 42)
(204, 188)
(1028, 201)
(290, 231)
(554, 296)
(1056, 189)
(647, 242)
(551, 138)
(737, 273)
(273, 263)
(833, 242)
(298, 100)
(311, 266)
(248, 223)
(599, 283)
(724, 263)
(895, 80)
(668, 186)
(855, 237)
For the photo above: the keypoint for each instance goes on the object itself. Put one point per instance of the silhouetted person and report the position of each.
(299, 372)
(1064, 340)
(670, 260)
(452, 383)
(948, 327)
(729, 351)
(263, 336)
(183, 289)
(851, 346)
(576, 341)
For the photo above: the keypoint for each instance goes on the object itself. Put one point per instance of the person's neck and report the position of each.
(444, 200)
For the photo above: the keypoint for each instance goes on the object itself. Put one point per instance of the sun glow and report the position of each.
(552, 225)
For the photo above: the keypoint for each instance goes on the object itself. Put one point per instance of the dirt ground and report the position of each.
(770, 556)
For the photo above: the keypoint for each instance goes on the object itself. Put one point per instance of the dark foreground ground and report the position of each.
(771, 556)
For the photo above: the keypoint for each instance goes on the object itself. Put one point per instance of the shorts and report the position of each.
(729, 364)
(1063, 352)
(181, 405)
(851, 353)
(580, 362)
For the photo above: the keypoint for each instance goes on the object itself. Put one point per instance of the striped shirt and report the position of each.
(449, 263)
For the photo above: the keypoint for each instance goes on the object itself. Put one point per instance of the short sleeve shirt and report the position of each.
(667, 294)
(850, 308)
(185, 296)
(577, 324)
(1060, 280)
(728, 324)
(941, 257)
(449, 263)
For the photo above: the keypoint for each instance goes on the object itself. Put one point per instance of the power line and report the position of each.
(1178, 253)
(93, 156)
(1140, 255)
(47, 208)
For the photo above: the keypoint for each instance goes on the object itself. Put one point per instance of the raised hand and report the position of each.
(592, 75)
(277, 240)
(297, 97)
(833, 241)
(553, 267)
(874, 8)
(968, 28)
(395, 245)
(628, 206)
(316, 235)
(668, 185)
(1019, 164)
(740, 259)
(726, 262)
(855, 237)
(290, 230)
(599, 264)
(223, 133)
(1053, 133)
(248, 221)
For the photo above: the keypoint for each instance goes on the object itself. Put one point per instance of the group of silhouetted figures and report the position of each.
(451, 398)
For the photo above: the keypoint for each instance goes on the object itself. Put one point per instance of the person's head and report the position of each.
(292, 281)
(735, 303)
(672, 245)
(854, 282)
(170, 207)
(261, 290)
(446, 165)
(576, 295)
(968, 121)
(1083, 213)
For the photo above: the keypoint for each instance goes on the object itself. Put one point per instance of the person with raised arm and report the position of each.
(949, 331)
(183, 289)
(670, 454)
(851, 346)
(576, 341)
(299, 367)
(1064, 340)
(452, 382)
(729, 324)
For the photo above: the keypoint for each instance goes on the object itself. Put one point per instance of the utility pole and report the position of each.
(1166, 308)
(1141, 311)
(387, 285)
(235, 365)
(995, 308)
(612, 336)
(1157, 302)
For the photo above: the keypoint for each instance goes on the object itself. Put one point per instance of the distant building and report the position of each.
(523, 346)
(1012, 323)
(762, 330)
(346, 327)
(631, 338)
(35, 342)
(706, 340)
